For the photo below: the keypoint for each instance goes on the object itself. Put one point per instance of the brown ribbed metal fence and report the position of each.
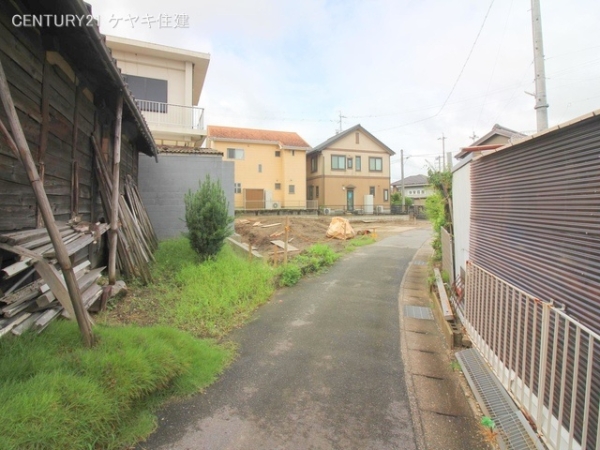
(533, 285)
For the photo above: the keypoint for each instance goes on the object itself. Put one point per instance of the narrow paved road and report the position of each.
(319, 367)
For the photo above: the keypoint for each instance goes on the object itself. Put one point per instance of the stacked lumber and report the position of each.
(29, 303)
(137, 240)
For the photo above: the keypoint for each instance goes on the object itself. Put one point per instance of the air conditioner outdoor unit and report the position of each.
(379, 209)
(275, 205)
(327, 211)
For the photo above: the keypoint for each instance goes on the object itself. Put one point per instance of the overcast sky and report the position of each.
(401, 68)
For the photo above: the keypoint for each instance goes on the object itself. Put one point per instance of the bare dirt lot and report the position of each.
(305, 231)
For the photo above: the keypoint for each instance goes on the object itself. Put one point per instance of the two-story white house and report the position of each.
(166, 83)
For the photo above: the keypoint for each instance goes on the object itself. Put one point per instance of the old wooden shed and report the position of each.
(65, 86)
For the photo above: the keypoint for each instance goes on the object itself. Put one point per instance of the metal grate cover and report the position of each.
(418, 312)
(513, 428)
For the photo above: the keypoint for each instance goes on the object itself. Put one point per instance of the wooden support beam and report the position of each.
(46, 210)
(444, 302)
(44, 130)
(114, 215)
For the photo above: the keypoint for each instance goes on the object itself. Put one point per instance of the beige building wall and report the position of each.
(261, 169)
(184, 72)
(160, 68)
(334, 183)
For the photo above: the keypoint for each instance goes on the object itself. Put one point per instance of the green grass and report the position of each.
(314, 259)
(207, 299)
(57, 394)
(359, 241)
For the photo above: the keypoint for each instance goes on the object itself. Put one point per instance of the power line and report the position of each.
(457, 78)
(468, 57)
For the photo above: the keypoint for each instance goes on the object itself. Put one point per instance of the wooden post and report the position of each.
(42, 199)
(285, 241)
(44, 130)
(114, 215)
(275, 255)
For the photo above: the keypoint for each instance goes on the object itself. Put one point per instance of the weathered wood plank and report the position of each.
(25, 293)
(14, 323)
(78, 244)
(26, 324)
(15, 308)
(46, 318)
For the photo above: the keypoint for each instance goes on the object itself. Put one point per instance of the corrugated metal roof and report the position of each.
(285, 138)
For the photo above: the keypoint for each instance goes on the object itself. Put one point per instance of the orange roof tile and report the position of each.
(286, 138)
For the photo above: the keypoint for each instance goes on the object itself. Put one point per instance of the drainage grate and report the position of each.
(419, 263)
(514, 430)
(418, 312)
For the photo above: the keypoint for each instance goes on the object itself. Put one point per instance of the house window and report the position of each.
(292, 189)
(316, 191)
(260, 168)
(372, 191)
(349, 163)
(375, 164)
(150, 93)
(237, 188)
(338, 162)
(386, 195)
(358, 164)
(235, 153)
(277, 186)
(311, 192)
(277, 153)
(357, 137)
(314, 164)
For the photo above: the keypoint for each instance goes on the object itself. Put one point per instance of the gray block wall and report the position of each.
(162, 187)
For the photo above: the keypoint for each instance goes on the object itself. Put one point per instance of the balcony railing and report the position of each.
(170, 115)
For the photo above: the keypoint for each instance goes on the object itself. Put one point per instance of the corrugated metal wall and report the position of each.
(535, 224)
(535, 218)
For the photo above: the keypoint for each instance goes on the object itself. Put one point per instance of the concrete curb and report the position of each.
(412, 399)
(442, 410)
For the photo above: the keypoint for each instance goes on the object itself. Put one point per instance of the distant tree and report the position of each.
(207, 218)
(397, 200)
(438, 207)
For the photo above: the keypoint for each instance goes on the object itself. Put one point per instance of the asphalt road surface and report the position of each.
(319, 367)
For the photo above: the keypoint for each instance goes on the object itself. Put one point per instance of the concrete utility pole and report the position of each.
(402, 175)
(541, 103)
(443, 160)
(341, 125)
(449, 161)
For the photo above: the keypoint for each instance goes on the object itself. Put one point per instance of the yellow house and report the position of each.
(270, 166)
(166, 83)
(350, 172)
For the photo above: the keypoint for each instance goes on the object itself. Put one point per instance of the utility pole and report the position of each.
(443, 160)
(341, 117)
(402, 175)
(541, 103)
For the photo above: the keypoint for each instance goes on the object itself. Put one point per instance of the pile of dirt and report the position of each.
(305, 231)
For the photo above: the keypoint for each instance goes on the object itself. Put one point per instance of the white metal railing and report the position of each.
(545, 359)
(170, 115)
